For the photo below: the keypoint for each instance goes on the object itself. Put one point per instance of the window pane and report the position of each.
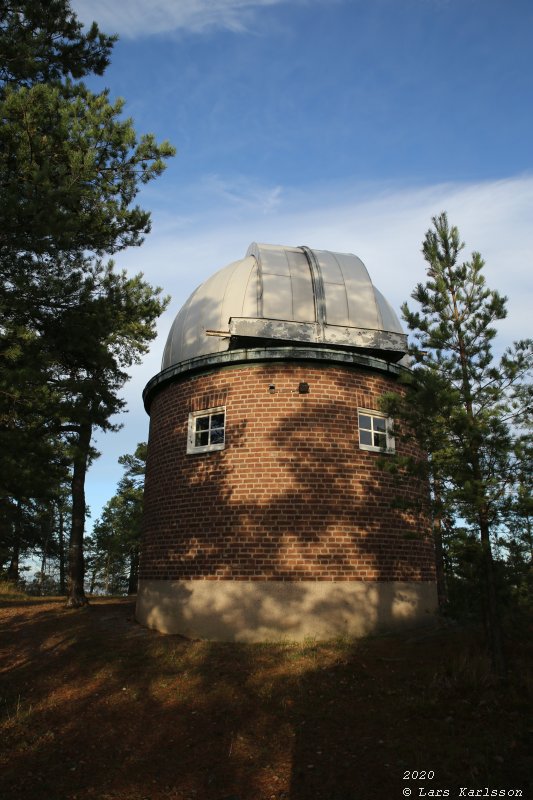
(365, 422)
(380, 440)
(365, 437)
(206, 431)
(201, 439)
(379, 424)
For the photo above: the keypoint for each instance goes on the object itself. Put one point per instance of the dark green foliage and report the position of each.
(469, 412)
(41, 41)
(70, 169)
(116, 536)
(70, 325)
(515, 540)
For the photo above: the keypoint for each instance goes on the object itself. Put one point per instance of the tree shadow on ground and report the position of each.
(96, 707)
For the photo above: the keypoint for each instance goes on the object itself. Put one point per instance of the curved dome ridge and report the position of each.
(286, 295)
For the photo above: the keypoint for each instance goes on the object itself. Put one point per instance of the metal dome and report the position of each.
(286, 294)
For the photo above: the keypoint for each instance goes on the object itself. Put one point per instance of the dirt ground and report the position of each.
(95, 707)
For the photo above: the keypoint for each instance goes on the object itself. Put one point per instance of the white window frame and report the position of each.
(191, 433)
(390, 445)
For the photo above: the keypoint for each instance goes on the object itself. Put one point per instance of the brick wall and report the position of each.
(291, 497)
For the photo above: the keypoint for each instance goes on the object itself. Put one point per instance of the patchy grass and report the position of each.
(94, 707)
(10, 591)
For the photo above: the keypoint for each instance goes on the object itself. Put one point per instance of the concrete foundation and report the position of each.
(255, 611)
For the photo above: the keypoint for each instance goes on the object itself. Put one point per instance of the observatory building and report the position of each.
(267, 514)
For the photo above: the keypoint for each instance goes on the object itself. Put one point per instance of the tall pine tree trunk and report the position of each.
(13, 569)
(134, 570)
(439, 551)
(490, 600)
(473, 437)
(494, 634)
(62, 586)
(46, 530)
(76, 567)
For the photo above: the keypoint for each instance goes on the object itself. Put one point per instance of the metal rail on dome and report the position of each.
(318, 287)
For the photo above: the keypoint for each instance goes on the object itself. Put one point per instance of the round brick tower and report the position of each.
(267, 514)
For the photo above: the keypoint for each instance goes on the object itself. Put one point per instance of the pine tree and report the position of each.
(70, 170)
(115, 327)
(41, 42)
(466, 407)
(116, 535)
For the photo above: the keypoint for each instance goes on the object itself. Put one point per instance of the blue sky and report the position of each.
(339, 124)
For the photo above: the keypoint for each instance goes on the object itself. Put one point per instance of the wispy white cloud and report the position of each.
(383, 225)
(241, 193)
(144, 17)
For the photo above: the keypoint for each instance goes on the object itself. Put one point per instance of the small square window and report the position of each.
(375, 431)
(206, 430)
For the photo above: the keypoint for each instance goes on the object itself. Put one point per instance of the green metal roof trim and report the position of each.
(259, 355)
